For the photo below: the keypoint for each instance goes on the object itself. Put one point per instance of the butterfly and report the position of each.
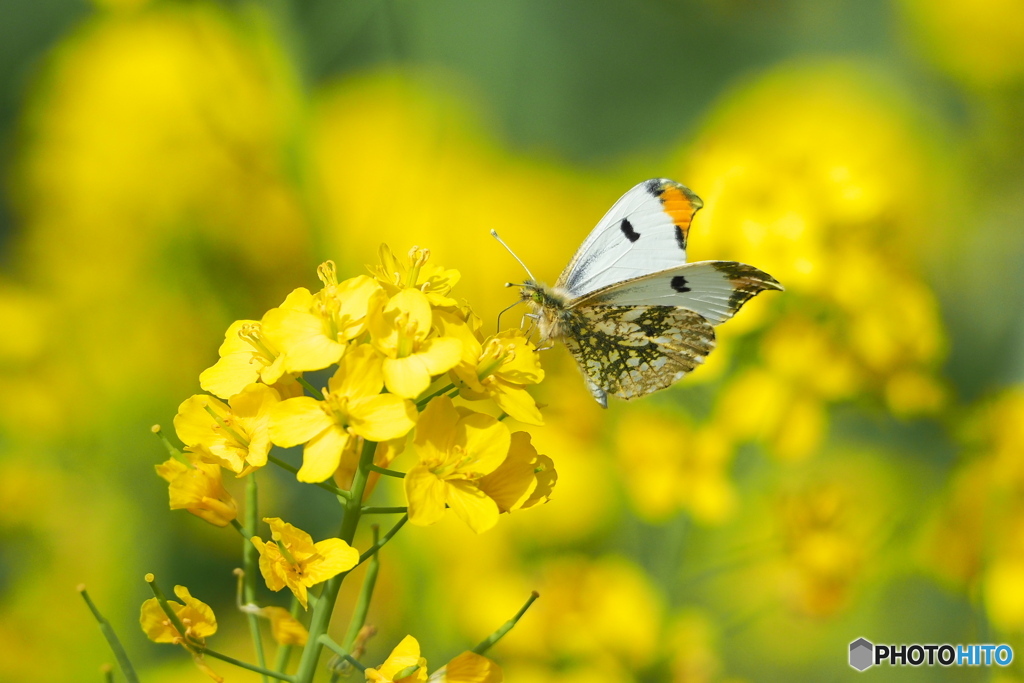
(634, 314)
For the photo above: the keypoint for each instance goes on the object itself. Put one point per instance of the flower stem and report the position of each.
(424, 401)
(115, 644)
(490, 640)
(245, 665)
(384, 510)
(250, 558)
(242, 531)
(372, 550)
(171, 450)
(316, 393)
(326, 641)
(341, 493)
(386, 472)
(108, 673)
(325, 606)
(365, 595)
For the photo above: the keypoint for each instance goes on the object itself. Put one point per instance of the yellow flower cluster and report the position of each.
(405, 665)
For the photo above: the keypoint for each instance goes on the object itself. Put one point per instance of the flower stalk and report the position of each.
(115, 643)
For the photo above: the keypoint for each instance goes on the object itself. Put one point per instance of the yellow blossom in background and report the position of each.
(412, 358)
(292, 559)
(352, 407)
(199, 489)
(433, 280)
(469, 667)
(403, 665)
(236, 435)
(667, 466)
(313, 330)
(285, 629)
(981, 42)
(195, 615)
(456, 448)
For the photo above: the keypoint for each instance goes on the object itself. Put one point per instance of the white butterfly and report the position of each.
(629, 308)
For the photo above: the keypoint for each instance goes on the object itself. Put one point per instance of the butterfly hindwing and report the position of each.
(644, 232)
(630, 351)
(714, 289)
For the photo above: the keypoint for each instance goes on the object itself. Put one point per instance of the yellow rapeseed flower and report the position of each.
(456, 449)
(352, 407)
(469, 667)
(247, 355)
(292, 559)
(198, 488)
(403, 665)
(498, 368)
(400, 331)
(313, 330)
(434, 281)
(234, 434)
(523, 480)
(195, 615)
(285, 629)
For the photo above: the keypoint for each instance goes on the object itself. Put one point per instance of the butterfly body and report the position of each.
(634, 315)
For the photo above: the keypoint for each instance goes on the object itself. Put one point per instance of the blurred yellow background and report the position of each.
(849, 463)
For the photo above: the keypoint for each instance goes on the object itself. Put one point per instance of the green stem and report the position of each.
(115, 644)
(386, 472)
(250, 560)
(175, 621)
(171, 450)
(326, 641)
(317, 394)
(385, 510)
(226, 427)
(108, 673)
(490, 640)
(322, 484)
(365, 595)
(245, 665)
(284, 652)
(372, 550)
(242, 531)
(424, 401)
(325, 606)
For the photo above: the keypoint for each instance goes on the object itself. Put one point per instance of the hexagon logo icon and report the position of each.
(861, 654)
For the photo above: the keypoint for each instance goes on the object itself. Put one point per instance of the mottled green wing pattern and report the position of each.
(630, 351)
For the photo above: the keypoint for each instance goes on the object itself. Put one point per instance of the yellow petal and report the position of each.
(336, 556)
(471, 505)
(408, 377)
(512, 483)
(171, 468)
(469, 667)
(382, 417)
(153, 621)
(484, 440)
(426, 496)
(297, 420)
(200, 616)
(235, 368)
(270, 565)
(435, 430)
(359, 373)
(285, 629)
(523, 366)
(440, 355)
(546, 479)
(298, 542)
(405, 654)
(302, 337)
(515, 400)
(322, 454)
(355, 296)
(416, 304)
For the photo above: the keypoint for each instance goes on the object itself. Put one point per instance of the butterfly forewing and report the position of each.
(644, 232)
(714, 289)
(630, 351)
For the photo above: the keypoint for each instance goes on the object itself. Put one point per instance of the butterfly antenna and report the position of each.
(506, 309)
(494, 234)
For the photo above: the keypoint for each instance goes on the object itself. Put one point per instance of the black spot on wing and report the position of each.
(627, 230)
(679, 284)
(655, 186)
(681, 238)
